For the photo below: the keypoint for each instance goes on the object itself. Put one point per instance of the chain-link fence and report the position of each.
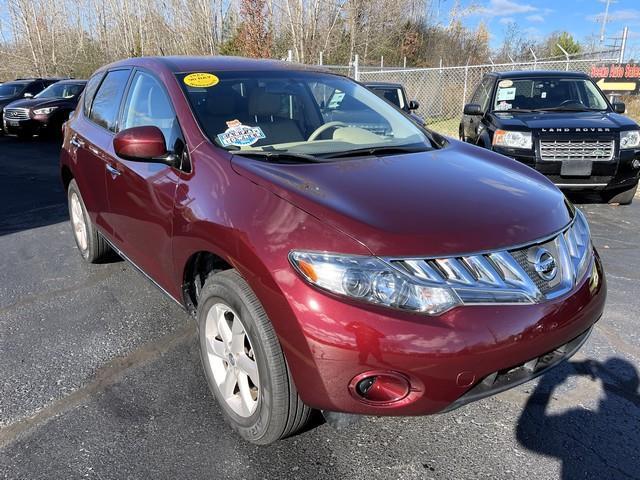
(443, 92)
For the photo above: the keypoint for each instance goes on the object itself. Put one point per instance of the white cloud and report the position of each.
(506, 20)
(504, 8)
(537, 18)
(628, 15)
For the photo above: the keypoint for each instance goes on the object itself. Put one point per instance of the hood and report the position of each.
(460, 199)
(39, 102)
(572, 120)
(4, 101)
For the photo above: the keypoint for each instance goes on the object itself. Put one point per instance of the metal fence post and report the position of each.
(566, 54)
(464, 91)
(290, 56)
(356, 67)
(321, 53)
(623, 44)
(381, 62)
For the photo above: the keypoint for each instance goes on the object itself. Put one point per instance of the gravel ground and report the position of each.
(100, 377)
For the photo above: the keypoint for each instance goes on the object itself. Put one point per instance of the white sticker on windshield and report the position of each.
(543, 95)
(506, 93)
(505, 83)
(504, 106)
(239, 135)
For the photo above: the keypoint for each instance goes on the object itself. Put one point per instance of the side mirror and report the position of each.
(619, 107)
(28, 95)
(413, 105)
(472, 109)
(143, 144)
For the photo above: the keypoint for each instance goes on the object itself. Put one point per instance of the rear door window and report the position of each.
(393, 95)
(90, 91)
(104, 110)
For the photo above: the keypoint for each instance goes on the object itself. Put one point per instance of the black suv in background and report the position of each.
(46, 112)
(561, 124)
(396, 94)
(22, 88)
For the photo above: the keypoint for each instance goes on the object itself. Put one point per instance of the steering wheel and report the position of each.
(323, 128)
(569, 102)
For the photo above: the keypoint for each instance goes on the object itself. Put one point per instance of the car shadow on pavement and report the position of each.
(31, 193)
(599, 443)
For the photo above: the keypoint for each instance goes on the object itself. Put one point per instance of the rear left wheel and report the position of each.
(90, 243)
(244, 364)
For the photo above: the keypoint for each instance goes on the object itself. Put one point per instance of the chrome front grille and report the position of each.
(510, 276)
(16, 113)
(593, 150)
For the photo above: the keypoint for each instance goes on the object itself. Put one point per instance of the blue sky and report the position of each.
(582, 18)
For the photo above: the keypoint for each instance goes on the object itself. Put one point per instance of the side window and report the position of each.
(89, 92)
(487, 85)
(483, 93)
(34, 88)
(104, 110)
(147, 104)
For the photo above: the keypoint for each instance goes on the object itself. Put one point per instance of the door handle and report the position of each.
(75, 142)
(113, 170)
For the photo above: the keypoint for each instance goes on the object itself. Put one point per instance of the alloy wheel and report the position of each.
(78, 222)
(231, 360)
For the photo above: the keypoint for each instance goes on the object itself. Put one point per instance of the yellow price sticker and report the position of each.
(201, 80)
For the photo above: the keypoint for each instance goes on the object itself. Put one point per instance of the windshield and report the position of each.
(61, 90)
(548, 93)
(11, 89)
(304, 113)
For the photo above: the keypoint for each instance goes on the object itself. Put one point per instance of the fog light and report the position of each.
(635, 164)
(380, 388)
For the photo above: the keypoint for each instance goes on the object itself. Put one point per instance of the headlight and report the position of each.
(505, 138)
(371, 280)
(44, 111)
(580, 246)
(630, 139)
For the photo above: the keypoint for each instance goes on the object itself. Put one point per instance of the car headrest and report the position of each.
(262, 103)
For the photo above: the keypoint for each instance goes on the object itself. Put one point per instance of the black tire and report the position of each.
(621, 197)
(279, 412)
(96, 248)
(461, 133)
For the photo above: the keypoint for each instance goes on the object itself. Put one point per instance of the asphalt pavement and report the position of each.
(100, 375)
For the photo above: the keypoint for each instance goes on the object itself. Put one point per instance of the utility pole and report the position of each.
(605, 19)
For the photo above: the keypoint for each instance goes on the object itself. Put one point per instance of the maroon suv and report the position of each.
(368, 267)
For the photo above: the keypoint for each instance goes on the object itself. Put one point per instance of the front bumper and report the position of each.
(445, 358)
(32, 126)
(615, 174)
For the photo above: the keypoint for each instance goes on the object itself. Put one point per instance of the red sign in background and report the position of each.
(623, 78)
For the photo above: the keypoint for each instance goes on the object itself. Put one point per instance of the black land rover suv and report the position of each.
(562, 125)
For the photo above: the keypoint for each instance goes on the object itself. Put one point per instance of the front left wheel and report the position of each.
(244, 363)
(621, 197)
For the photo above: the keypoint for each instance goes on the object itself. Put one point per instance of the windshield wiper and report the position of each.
(570, 109)
(272, 156)
(360, 152)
